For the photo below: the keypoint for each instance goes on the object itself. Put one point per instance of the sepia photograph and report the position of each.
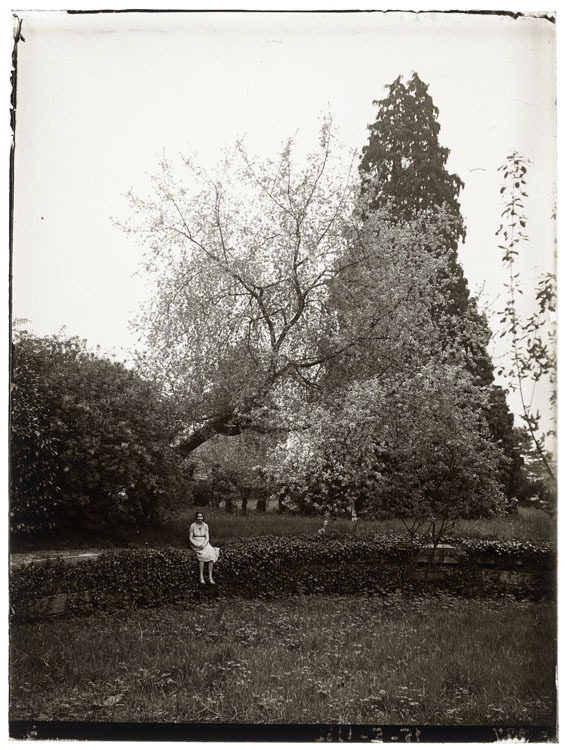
(282, 375)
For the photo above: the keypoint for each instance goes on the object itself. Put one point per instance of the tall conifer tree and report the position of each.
(404, 166)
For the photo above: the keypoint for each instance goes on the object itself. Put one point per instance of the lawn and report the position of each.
(527, 524)
(393, 660)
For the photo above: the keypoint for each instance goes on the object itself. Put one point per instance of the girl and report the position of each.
(200, 542)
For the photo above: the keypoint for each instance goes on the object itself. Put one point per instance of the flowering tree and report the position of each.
(413, 446)
(239, 328)
(283, 302)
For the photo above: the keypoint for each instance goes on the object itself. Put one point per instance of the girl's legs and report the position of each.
(201, 568)
(210, 569)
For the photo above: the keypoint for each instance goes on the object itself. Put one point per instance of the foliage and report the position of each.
(510, 554)
(241, 326)
(537, 489)
(387, 300)
(403, 167)
(532, 340)
(415, 448)
(500, 422)
(35, 495)
(242, 262)
(90, 439)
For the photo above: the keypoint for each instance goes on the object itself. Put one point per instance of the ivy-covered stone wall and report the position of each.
(281, 566)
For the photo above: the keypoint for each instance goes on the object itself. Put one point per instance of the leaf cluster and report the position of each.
(532, 339)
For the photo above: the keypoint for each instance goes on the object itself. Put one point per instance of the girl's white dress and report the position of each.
(199, 535)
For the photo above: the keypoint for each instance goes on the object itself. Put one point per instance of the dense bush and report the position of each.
(270, 567)
(91, 440)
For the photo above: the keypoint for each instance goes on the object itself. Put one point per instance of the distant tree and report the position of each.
(91, 440)
(234, 465)
(538, 489)
(501, 424)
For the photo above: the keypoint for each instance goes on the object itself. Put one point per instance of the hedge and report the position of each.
(279, 566)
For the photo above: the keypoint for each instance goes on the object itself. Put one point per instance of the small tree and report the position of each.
(443, 465)
(533, 339)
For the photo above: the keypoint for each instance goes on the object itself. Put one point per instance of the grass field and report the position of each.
(297, 660)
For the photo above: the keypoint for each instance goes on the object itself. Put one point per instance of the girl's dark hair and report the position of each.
(199, 513)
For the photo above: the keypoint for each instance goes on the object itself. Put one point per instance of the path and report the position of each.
(21, 559)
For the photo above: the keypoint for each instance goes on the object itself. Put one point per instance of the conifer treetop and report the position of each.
(403, 162)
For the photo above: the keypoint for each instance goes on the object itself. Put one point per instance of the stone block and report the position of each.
(47, 606)
(446, 554)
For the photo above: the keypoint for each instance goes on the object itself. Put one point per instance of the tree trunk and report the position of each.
(244, 492)
(225, 424)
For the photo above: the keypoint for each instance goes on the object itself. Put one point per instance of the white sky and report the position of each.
(101, 96)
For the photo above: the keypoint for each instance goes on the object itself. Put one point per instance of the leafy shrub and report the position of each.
(91, 440)
(510, 554)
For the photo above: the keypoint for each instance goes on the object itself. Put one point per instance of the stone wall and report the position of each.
(80, 583)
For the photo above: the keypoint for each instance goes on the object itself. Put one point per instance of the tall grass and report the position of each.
(527, 524)
(299, 660)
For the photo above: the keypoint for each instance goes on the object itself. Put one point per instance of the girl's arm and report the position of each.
(207, 537)
(191, 535)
